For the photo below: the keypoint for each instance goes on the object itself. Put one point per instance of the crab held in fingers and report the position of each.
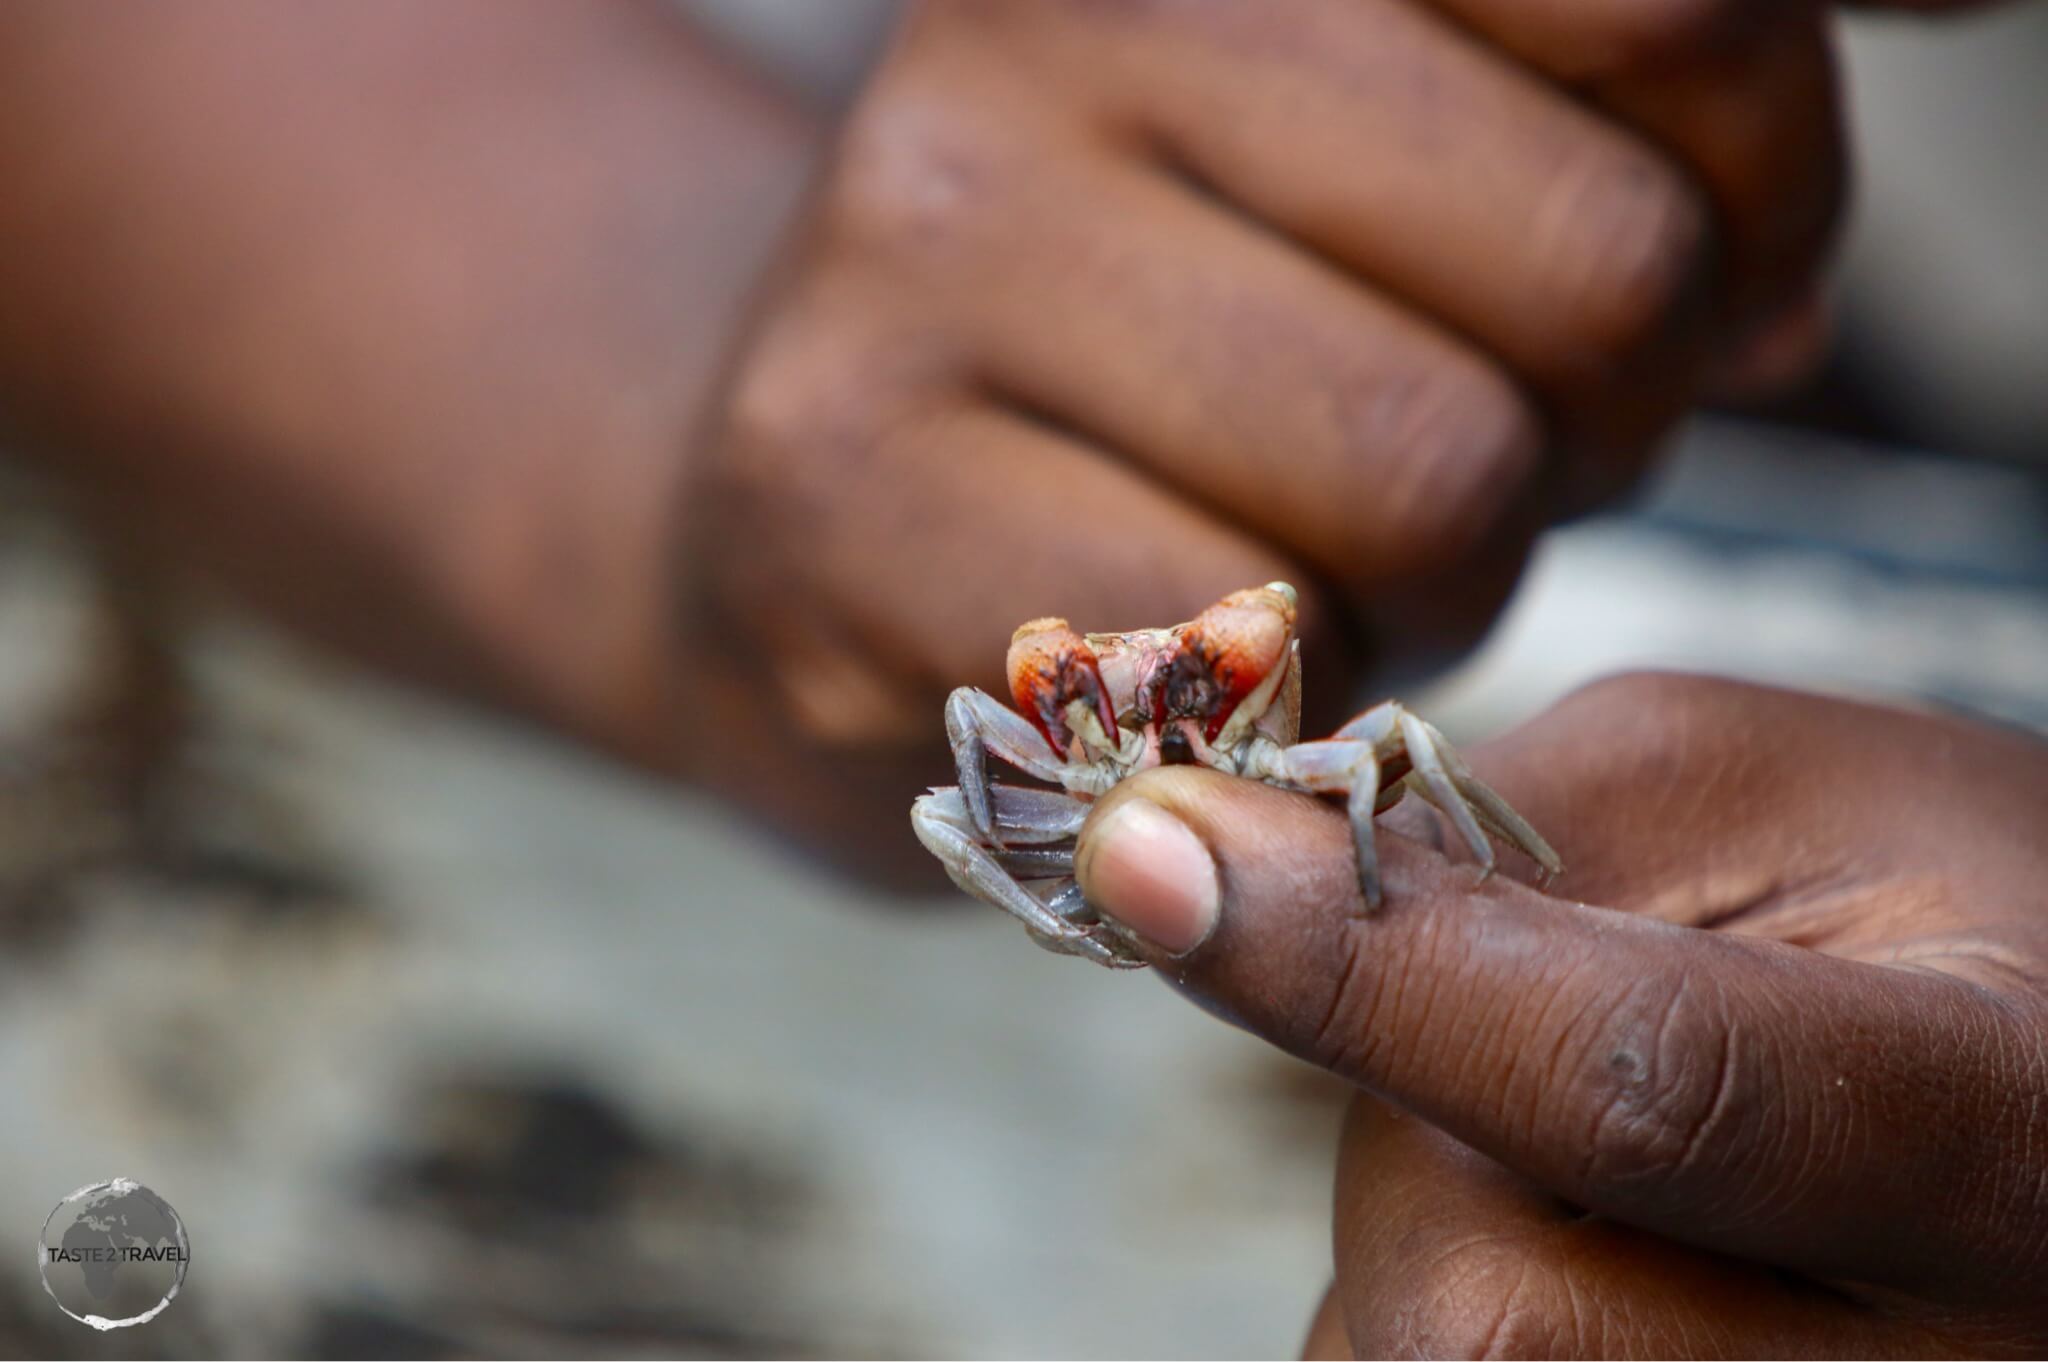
(1222, 691)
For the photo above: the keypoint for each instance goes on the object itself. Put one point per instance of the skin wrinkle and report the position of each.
(1420, 960)
(1691, 1164)
(1968, 1129)
(2000, 970)
(1631, 1118)
(1695, 1144)
(1458, 1272)
(1374, 1032)
(1405, 984)
(2003, 1178)
(2034, 1156)
(1345, 1026)
(2021, 1181)
(1581, 1321)
(1817, 1150)
(1555, 1068)
(1450, 958)
(1928, 1086)
(1810, 1111)
(1777, 896)
(1471, 1000)
(1750, 1202)
(1490, 1344)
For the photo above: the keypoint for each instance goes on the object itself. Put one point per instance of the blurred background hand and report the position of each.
(1761, 1074)
(419, 326)
(1103, 311)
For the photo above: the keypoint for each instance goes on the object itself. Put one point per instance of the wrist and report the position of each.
(401, 320)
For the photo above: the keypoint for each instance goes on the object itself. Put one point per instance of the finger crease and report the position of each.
(1359, 1046)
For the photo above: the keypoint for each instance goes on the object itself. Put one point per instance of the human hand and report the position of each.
(1779, 1094)
(1105, 310)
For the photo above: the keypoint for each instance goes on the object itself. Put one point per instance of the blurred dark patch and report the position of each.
(345, 1332)
(500, 1157)
(138, 778)
(1853, 396)
(538, 1216)
(1843, 398)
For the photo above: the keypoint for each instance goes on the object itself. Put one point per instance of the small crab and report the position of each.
(1223, 691)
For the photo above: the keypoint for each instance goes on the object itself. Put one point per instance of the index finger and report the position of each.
(1738, 1094)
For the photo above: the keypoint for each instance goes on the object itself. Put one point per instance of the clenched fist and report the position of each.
(1103, 309)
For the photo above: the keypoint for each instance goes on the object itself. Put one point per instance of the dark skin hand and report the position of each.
(1764, 1074)
(1105, 310)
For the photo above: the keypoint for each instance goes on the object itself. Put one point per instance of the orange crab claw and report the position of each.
(1051, 666)
(1228, 652)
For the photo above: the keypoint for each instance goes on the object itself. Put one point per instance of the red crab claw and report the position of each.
(1051, 666)
(1228, 653)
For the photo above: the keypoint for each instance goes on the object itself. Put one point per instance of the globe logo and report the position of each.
(113, 1254)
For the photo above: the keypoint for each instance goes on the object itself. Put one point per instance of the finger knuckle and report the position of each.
(822, 380)
(1440, 457)
(768, 406)
(1666, 1079)
(912, 181)
(775, 414)
(1639, 246)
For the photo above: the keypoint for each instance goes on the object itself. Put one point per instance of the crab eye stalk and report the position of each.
(1232, 657)
(1051, 667)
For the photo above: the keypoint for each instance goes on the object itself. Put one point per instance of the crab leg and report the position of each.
(1067, 903)
(1023, 815)
(1038, 828)
(1442, 791)
(1377, 726)
(1393, 731)
(1380, 742)
(936, 818)
(1064, 900)
(977, 724)
(1443, 779)
(1352, 769)
(1493, 811)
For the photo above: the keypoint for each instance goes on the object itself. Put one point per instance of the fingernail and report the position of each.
(1148, 871)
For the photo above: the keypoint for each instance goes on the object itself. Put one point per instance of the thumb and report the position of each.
(1246, 897)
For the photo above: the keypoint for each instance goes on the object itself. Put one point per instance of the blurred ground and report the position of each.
(442, 1039)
